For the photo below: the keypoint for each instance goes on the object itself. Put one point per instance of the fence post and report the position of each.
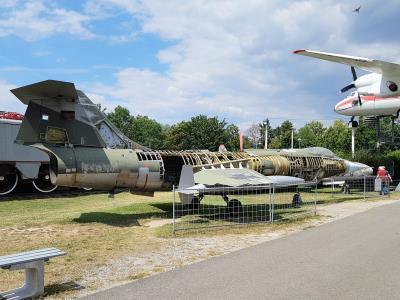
(315, 197)
(270, 204)
(173, 210)
(273, 203)
(332, 187)
(365, 186)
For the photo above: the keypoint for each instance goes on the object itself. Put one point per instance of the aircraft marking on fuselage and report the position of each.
(364, 99)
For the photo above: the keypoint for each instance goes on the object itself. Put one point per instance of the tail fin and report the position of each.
(60, 114)
(187, 177)
(57, 114)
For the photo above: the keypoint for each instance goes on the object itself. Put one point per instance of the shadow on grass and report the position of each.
(251, 213)
(53, 289)
(123, 218)
(35, 195)
(114, 219)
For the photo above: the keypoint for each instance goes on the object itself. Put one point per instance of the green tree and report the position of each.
(338, 138)
(200, 132)
(122, 119)
(275, 143)
(365, 137)
(176, 136)
(232, 138)
(285, 136)
(147, 132)
(311, 134)
(140, 129)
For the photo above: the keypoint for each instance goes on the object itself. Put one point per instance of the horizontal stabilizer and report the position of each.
(46, 90)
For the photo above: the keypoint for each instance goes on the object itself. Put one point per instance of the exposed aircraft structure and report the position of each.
(84, 152)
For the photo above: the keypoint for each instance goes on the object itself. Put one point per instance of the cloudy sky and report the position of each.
(172, 60)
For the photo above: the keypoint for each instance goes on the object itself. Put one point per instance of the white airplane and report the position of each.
(376, 94)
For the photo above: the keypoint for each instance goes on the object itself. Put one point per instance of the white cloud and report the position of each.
(231, 59)
(36, 20)
(8, 101)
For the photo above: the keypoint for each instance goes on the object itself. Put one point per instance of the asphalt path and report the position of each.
(354, 258)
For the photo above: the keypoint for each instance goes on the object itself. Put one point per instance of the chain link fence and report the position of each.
(230, 206)
(356, 187)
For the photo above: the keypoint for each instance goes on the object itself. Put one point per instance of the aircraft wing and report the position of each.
(223, 181)
(240, 177)
(370, 65)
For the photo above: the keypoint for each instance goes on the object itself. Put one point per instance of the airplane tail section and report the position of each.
(62, 121)
(57, 113)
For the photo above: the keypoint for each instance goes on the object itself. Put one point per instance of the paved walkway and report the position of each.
(354, 258)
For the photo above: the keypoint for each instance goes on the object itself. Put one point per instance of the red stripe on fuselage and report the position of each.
(367, 99)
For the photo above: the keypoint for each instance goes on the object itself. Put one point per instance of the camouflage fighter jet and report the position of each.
(86, 150)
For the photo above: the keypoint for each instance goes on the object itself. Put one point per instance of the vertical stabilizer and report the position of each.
(58, 114)
(187, 177)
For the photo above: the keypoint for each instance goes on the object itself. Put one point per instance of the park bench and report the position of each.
(33, 263)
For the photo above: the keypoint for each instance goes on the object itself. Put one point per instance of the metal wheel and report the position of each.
(43, 183)
(8, 180)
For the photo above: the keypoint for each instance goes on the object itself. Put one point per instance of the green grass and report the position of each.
(64, 210)
(94, 229)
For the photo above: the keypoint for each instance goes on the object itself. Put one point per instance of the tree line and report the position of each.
(202, 132)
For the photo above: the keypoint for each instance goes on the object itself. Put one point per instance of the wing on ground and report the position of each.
(240, 177)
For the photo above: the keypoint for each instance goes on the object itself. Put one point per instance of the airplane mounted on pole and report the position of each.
(376, 94)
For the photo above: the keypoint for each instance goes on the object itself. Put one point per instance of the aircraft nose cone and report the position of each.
(369, 171)
(357, 169)
(336, 107)
(340, 105)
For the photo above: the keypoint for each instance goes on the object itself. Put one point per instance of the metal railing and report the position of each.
(361, 187)
(231, 206)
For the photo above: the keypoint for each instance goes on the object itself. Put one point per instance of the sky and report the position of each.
(172, 60)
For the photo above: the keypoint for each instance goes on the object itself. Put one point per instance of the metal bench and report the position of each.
(33, 263)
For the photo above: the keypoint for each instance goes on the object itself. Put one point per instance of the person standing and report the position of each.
(385, 178)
